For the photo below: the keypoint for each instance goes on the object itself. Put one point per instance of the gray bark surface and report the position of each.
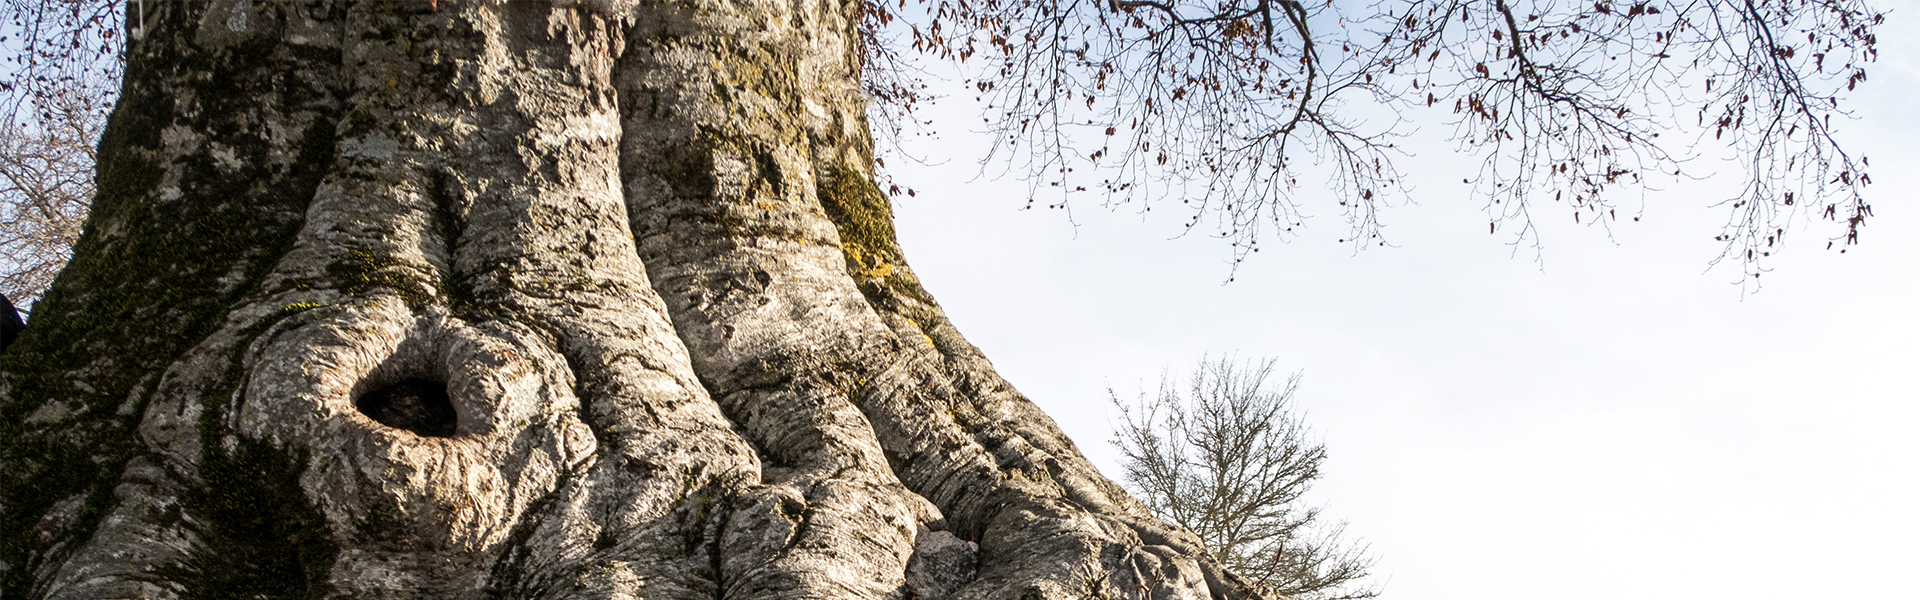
(637, 244)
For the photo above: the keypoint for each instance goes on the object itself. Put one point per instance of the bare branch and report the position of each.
(1213, 104)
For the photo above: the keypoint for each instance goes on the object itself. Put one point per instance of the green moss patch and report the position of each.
(865, 220)
(363, 271)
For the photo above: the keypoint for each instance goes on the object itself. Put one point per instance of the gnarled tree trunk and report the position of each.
(524, 300)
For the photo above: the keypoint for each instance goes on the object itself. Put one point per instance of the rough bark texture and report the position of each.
(524, 300)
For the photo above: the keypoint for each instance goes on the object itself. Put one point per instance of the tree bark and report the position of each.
(524, 300)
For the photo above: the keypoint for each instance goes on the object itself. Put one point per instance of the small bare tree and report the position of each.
(62, 72)
(46, 184)
(1230, 459)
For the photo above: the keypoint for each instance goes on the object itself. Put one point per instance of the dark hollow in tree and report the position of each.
(417, 405)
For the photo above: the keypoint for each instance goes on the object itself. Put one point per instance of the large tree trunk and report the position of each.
(524, 300)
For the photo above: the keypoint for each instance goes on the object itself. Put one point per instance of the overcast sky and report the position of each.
(1611, 421)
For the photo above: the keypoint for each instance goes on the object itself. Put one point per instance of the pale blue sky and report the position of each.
(1614, 421)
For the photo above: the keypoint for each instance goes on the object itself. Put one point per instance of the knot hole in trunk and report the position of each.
(417, 404)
